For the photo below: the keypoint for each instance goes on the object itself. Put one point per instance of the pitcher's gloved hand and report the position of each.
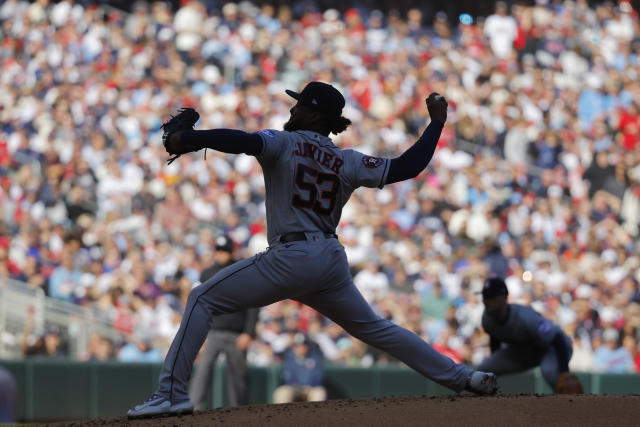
(569, 383)
(184, 120)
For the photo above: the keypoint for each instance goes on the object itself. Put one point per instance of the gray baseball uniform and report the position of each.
(308, 180)
(526, 339)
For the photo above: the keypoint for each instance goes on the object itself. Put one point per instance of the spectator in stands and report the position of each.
(582, 358)
(302, 373)
(444, 344)
(47, 344)
(610, 357)
(434, 307)
(65, 279)
(139, 351)
(551, 176)
(100, 349)
(630, 343)
(371, 281)
(501, 29)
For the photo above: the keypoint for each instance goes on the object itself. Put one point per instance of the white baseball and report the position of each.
(438, 97)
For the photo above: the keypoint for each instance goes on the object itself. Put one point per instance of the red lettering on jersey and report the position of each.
(337, 162)
(326, 159)
(310, 150)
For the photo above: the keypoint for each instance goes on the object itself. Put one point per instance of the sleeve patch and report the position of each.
(267, 132)
(372, 162)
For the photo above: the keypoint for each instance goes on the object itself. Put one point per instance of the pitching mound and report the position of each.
(524, 410)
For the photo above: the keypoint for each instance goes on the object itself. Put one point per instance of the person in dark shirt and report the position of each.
(302, 373)
(230, 334)
(601, 175)
(46, 344)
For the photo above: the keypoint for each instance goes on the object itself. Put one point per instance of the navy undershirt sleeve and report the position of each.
(417, 157)
(225, 140)
(562, 352)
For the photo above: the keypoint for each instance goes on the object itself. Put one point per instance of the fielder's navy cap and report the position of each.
(494, 287)
(321, 96)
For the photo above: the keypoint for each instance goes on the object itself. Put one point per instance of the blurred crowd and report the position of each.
(536, 177)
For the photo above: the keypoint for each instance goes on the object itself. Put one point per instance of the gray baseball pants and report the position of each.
(221, 342)
(509, 360)
(315, 272)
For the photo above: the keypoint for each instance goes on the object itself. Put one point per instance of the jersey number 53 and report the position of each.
(320, 189)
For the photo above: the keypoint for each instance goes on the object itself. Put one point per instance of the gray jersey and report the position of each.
(308, 180)
(524, 328)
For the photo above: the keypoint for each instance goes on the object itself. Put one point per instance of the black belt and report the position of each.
(299, 235)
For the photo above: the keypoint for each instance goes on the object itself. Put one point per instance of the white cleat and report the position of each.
(482, 383)
(158, 405)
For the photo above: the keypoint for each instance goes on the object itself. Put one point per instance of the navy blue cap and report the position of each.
(321, 96)
(494, 287)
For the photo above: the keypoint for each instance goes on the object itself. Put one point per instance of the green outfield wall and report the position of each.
(61, 390)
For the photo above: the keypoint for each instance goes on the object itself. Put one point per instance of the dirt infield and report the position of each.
(524, 410)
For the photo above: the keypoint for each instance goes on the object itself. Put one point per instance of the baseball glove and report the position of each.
(184, 120)
(569, 383)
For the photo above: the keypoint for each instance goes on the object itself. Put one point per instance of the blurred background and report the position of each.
(536, 177)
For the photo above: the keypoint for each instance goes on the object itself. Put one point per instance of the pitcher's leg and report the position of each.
(346, 306)
(233, 288)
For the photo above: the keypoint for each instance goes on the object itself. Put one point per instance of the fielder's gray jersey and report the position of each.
(308, 180)
(524, 328)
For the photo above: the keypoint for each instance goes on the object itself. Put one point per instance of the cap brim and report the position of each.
(492, 296)
(294, 95)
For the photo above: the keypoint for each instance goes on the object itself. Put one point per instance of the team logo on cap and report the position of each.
(372, 162)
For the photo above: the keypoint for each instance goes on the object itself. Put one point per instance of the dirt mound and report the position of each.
(523, 410)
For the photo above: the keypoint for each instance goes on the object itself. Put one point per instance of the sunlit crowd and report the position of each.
(536, 178)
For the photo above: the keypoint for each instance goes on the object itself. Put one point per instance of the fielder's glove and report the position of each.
(569, 383)
(184, 120)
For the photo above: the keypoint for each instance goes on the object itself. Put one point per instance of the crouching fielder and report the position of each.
(520, 339)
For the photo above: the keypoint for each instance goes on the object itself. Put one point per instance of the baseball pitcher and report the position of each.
(308, 180)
